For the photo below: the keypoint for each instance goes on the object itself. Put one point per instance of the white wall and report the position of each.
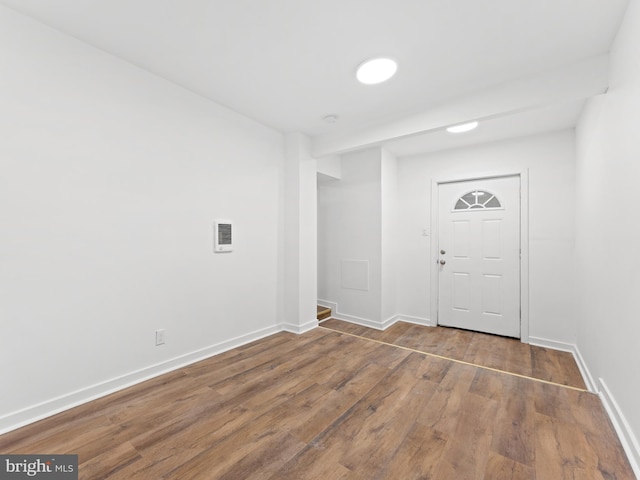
(389, 233)
(350, 226)
(550, 159)
(608, 235)
(300, 235)
(110, 180)
(329, 167)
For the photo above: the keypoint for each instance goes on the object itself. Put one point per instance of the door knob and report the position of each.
(442, 252)
(442, 262)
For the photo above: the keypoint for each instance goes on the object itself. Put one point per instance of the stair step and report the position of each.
(323, 312)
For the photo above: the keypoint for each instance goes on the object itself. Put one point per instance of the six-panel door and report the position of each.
(479, 255)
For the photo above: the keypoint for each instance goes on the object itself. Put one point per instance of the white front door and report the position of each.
(479, 255)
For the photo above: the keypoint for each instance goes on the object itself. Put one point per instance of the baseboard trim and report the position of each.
(586, 374)
(623, 429)
(553, 344)
(326, 303)
(425, 322)
(365, 322)
(378, 325)
(362, 321)
(299, 329)
(31, 414)
(577, 356)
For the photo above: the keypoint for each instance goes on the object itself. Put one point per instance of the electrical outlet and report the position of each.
(160, 337)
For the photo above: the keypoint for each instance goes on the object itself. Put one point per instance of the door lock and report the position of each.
(442, 252)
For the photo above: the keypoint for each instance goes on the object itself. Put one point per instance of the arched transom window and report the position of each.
(478, 199)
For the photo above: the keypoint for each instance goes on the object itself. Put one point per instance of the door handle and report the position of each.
(442, 262)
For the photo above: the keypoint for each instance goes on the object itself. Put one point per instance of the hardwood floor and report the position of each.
(323, 313)
(491, 351)
(327, 405)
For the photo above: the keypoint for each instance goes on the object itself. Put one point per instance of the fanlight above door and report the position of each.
(477, 199)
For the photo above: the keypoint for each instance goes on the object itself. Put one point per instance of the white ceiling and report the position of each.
(545, 119)
(288, 63)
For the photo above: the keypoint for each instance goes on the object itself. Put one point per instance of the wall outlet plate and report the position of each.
(160, 337)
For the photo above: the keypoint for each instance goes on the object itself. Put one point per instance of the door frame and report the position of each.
(523, 175)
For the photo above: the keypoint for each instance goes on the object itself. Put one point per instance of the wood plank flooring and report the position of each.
(327, 405)
(323, 313)
(491, 351)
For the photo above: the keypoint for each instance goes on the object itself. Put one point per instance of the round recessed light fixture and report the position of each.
(462, 128)
(376, 70)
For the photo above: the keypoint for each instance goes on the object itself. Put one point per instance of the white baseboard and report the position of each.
(59, 404)
(361, 321)
(426, 322)
(573, 349)
(553, 344)
(389, 321)
(328, 304)
(623, 429)
(365, 322)
(299, 329)
(586, 374)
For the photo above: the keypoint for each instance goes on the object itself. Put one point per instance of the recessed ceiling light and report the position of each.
(376, 70)
(465, 127)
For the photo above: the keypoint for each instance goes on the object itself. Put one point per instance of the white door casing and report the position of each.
(478, 255)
